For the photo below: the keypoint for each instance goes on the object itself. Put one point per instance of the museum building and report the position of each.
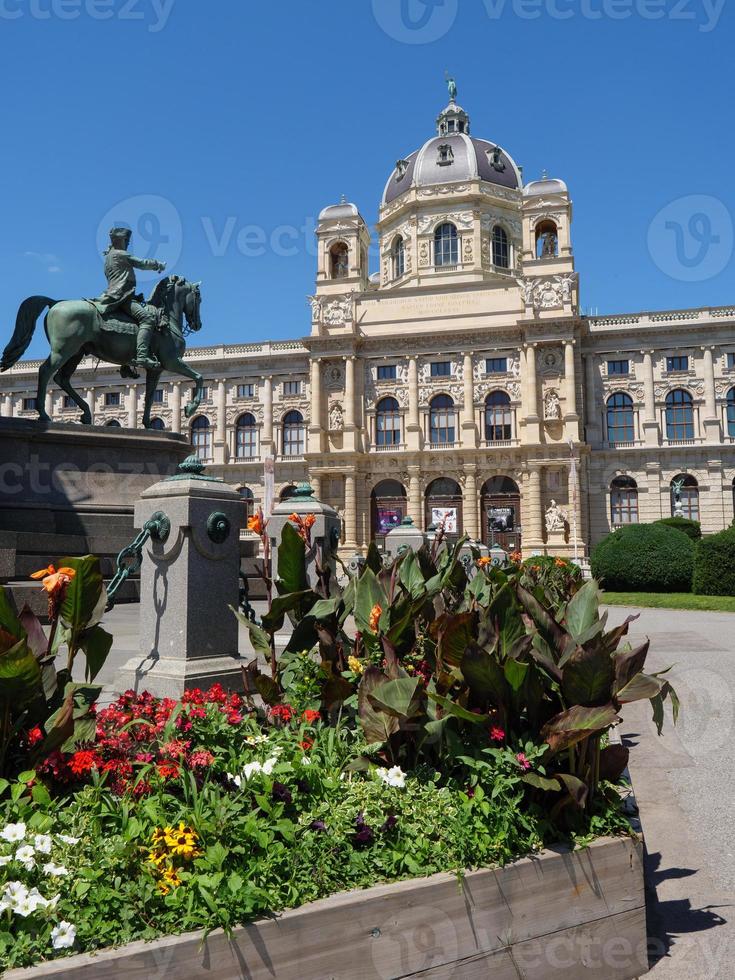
(459, 383)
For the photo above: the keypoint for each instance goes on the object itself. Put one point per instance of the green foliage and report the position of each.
(692, 529)
(714, 564)
(644, 558)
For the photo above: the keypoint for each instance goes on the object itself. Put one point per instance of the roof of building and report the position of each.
(547, 185)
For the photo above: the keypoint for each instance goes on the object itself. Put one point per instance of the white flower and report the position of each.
(63, 935)
(57, 870)
(393, 777)
(15, 890)
(26, 856)
(65, 839)
(42, 843)
(305, 760)
(25, 906)
(251, 767)
(5, 859)
(256, 739)
(13, 832)
(269, 765)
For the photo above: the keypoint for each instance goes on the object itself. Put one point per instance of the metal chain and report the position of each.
(130, 559)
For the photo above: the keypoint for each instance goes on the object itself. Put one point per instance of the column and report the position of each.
(350, 511)
(591, 406)
(6, 410)
(49, 404)
(470, 504)
(315, 427)
(415, 510)
(710, 423)
(650, 425)
(90, 401)
(571, 416)
(530, 411)
(132, 406)
(316, 485)
(220, 435)
(575, 511)
(349, 437)
(266, 441)
(469, 429)
(413, 429)
(176, 406)
(532, 517)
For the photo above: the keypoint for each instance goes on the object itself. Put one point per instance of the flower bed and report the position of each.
(464, 725)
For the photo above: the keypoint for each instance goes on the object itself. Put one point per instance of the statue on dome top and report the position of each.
(452, 86)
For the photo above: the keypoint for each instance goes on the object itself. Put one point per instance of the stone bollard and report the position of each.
(325, 532)
(188, 635)
(406, 535)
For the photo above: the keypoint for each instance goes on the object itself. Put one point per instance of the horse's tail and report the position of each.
(25, 323)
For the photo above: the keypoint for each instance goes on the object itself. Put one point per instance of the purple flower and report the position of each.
(390, 823)
(303, 786)
(318, 825)
(364, 834)
(282, 793)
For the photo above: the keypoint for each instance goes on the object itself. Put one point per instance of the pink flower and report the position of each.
(523, 762)
(497, 734)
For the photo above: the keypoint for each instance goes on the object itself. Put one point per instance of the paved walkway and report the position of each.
(684, 783)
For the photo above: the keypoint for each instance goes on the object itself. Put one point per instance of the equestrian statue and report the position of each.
(118, 327)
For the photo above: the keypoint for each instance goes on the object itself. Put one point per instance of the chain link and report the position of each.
(130, 559)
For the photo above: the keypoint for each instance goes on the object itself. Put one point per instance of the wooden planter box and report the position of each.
(558, 914)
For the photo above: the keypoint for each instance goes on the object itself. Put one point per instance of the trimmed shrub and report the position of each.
(714, 564)
(692, 529)
(644, 558)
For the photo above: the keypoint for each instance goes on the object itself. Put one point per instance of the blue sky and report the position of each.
(220, 129)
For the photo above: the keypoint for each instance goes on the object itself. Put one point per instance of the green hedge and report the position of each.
(644, 558)
(692, 529)
(714, 564)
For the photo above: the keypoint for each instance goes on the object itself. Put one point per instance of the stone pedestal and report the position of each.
(325, 532)
(406, 535)
(556, 543)
(188, 635)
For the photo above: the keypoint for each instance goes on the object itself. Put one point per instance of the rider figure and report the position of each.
(120, 293)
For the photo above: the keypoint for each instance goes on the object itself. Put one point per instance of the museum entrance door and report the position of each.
(501, 513)
(444, 506)
(387, 508)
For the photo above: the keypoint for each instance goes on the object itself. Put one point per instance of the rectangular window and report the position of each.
(731, 359)
(386, 372)
(441, 369)
(496, 365)
(205, 394)
(112, 398)
(158, 396)
(618, 367)
(246, 391)
(68, 401)
(291, 387)
(30, 404)
(679, 362)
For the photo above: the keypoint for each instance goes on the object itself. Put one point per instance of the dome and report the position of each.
(342, 210)
(452, 155)
(547, 185)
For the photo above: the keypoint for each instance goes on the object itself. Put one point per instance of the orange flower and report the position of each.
(303, 525)
(516, 556)
(310, 520)
(560, 563)
(295, 518)
(375, 617)
(256, 524)
(54, 580)
(485, 560)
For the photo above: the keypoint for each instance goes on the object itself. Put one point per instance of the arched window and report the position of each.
(688, 491)
(620, 427)
(623, 501)
(339, 260)
(441, 420)
(446, 251)
(547, 240)
(113, 423)
(387, 422)
(387, 507)
(498, 417)
(293, 434)
(249, 500)
(731, 413)
(157, 424)
(501, 248)
(246, 437)
(398, 254)
(201, 437)
(444, 505)
(679, 415)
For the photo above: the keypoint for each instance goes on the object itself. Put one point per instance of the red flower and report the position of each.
(84, 761)
(175, 748)
(168, 770)
(523, 762)
(200, 759)
(281, 713)
(306, 744)
(497, 734)
(234, 717)
(35, 735)
(311, 717)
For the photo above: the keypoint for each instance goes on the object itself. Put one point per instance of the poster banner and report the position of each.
(446, 516)
(501, 519)
(388, 518)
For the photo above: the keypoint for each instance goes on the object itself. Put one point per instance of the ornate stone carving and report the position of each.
(338, 311)
(443, 189)
(333, 377)
(555, 517)
(467, 250)
(552, 405)
(547, 293)
(462, 219)
(336, 417)
(549, 360)
(423, 254)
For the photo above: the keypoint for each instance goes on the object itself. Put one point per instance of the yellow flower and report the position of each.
(483, 561)
(375, 617)
(355, 665)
